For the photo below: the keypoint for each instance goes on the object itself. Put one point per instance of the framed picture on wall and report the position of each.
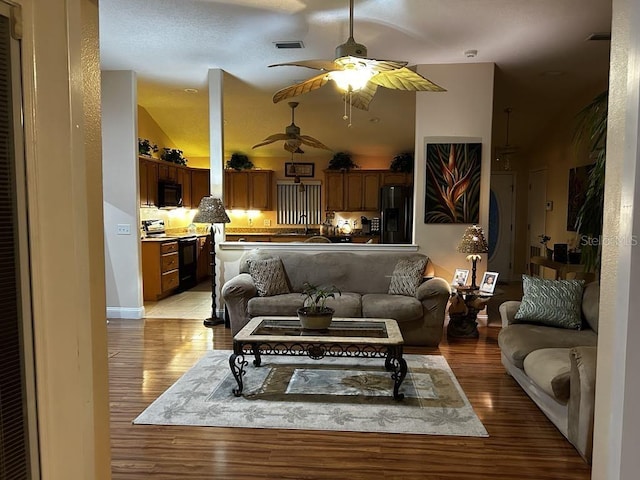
(489, 280)
(292, 169)
(452, 193)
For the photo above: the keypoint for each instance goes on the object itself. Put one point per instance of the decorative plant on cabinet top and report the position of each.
(239, 161)
(145, 147)
(403, 163)
(173, 155)
(342, 161)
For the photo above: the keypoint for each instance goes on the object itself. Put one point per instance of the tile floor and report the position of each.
(192, 304)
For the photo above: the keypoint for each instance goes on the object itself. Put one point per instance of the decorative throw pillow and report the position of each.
(269, 276)
(555, 303)
(407, 275)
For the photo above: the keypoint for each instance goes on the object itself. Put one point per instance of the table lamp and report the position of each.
(473, 243)
(211, 211)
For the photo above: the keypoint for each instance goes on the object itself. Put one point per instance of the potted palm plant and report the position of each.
(314, 314)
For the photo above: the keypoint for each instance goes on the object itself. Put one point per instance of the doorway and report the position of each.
(501, 224)
(537, 215)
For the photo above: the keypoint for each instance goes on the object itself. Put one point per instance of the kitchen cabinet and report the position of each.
(148, 175)
(203, 257)
(396, 178)
(248, 189)
(168, 172)
(184, 179)
(355, 191)
(200, 185)
(160, 276)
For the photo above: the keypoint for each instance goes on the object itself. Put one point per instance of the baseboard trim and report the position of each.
(125, 312)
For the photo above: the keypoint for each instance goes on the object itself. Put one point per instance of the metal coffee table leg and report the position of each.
(237, 364)
(398, 365)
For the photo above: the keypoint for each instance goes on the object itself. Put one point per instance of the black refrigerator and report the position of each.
(396, 214)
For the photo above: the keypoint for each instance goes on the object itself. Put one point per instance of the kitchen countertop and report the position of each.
(172, 236)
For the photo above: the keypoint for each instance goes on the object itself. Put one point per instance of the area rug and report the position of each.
(348, 394)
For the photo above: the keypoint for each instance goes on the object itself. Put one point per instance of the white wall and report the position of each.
(120, 183)
(463, 113)
(617, 421)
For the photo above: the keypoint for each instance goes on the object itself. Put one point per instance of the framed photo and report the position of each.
(489, 280)
(460, 277)
(299, 169)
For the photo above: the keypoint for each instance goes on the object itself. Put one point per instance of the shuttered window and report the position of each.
(294, 201)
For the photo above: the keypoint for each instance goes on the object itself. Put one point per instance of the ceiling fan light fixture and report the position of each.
(352, 78)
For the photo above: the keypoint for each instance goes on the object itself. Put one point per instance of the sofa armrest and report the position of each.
(582, 399)
(236, 293)
(434, 296)
(508, 312)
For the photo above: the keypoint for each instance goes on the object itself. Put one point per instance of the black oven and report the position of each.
(187, 262)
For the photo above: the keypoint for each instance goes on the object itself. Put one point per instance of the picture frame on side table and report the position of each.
(460, 277)
(296, 169)
(489, 280)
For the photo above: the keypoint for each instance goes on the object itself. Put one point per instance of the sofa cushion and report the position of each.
(407, 275)
(519, 340)
(549, 369)
(346, 305)
(401, 308)
(556, 303)
(268, 276)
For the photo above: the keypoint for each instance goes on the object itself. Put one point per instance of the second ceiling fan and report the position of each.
(356, 75)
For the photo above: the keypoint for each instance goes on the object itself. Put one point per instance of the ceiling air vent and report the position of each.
(290, 44)
(599, 37)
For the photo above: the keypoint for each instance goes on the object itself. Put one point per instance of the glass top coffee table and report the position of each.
(346, 337)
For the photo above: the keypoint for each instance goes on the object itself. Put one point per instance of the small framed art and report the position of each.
(299, 169)
(489, 280)
(460, 277)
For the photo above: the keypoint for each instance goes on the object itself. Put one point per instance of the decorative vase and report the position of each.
(315, 320)
(549, 254)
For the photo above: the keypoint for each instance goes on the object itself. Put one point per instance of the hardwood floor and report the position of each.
(147, 356)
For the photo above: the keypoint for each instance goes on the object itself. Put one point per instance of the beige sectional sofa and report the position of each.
(556, 367)
(363, 279)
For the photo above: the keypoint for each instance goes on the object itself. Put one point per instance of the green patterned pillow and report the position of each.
(407, 275)
(269, 276)
(555, 303)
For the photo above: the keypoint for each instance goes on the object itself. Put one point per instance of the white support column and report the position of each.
(617, 419)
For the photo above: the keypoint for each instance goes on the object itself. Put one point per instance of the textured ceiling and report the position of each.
(539, 47)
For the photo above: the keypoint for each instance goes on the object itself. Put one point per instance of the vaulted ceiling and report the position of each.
(541, 51)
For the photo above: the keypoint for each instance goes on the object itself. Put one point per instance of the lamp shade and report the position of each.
(211, 210)
(473, 241)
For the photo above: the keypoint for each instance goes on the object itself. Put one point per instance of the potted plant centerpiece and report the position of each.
(314, 314)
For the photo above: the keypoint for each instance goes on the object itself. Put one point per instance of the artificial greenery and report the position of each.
(591, 132)
(239, 161)
(315, 297)
(145, 147)
(342, 161)
(173, 155)
(403, 163)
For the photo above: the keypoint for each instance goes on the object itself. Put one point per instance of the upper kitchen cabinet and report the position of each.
(248, 189)
(200, 185)
(334, 190)
(396, 178)
(184, 179)
(357, 190)
(168, 172)
(148, 182)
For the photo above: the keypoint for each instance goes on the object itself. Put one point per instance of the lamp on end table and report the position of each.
(473, 243)
(211, 211)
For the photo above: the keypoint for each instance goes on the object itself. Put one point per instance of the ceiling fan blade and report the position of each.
(312, 142)
(299, 88)
(361, 98)
(405, 79)
(326, 65)
(377, 65)
(271, 139)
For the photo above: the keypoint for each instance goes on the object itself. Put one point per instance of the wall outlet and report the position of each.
(267, 222)
(549, 206)
(124, 229)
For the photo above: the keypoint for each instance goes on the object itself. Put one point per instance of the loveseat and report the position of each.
(364, 280)
(556, 365)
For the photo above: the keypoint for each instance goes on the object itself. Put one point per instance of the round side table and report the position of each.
(463, 322)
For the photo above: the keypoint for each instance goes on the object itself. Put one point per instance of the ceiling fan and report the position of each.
(356, 75)
(291, 136)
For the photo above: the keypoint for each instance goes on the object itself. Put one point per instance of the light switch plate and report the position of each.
(124, 229)
(549, 205)
(267, 222)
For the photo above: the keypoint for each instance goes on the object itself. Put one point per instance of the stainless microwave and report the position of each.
(169, 194)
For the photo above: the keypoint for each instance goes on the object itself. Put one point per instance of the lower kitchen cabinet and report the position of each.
(160, 275)
(203, 257)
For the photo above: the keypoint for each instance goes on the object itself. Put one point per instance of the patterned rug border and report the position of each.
(202, 397)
